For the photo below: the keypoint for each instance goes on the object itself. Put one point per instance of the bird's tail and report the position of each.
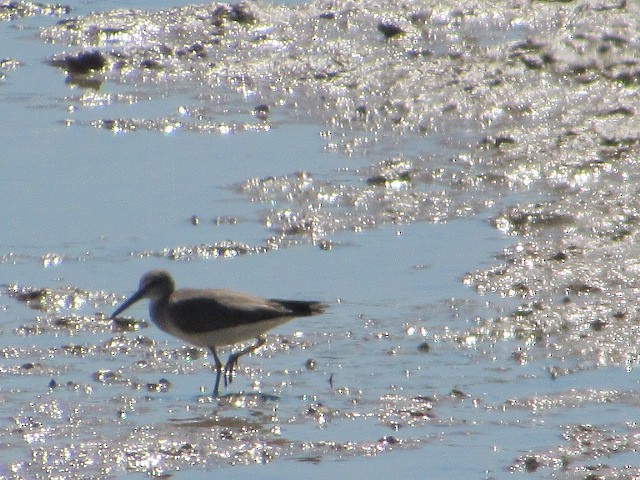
(302, 308)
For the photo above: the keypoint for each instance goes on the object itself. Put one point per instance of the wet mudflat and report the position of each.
(459, 182)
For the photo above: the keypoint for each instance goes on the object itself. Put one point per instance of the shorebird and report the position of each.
(212, 317)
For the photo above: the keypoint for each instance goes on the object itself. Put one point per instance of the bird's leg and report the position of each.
(232, 362)
(218, 367)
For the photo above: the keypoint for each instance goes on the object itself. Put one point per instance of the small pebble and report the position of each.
(311, 364)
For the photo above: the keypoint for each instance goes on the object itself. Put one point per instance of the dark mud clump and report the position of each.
(81, 63)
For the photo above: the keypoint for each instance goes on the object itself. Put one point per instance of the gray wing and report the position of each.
(198, 311)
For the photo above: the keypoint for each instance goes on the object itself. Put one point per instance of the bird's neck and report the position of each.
(158, 312)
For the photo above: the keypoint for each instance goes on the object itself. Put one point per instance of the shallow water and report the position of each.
(459, 182)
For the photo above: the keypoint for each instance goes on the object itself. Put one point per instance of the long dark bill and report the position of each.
(128, 302)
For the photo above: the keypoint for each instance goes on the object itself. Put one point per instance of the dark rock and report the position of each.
(390, 30)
